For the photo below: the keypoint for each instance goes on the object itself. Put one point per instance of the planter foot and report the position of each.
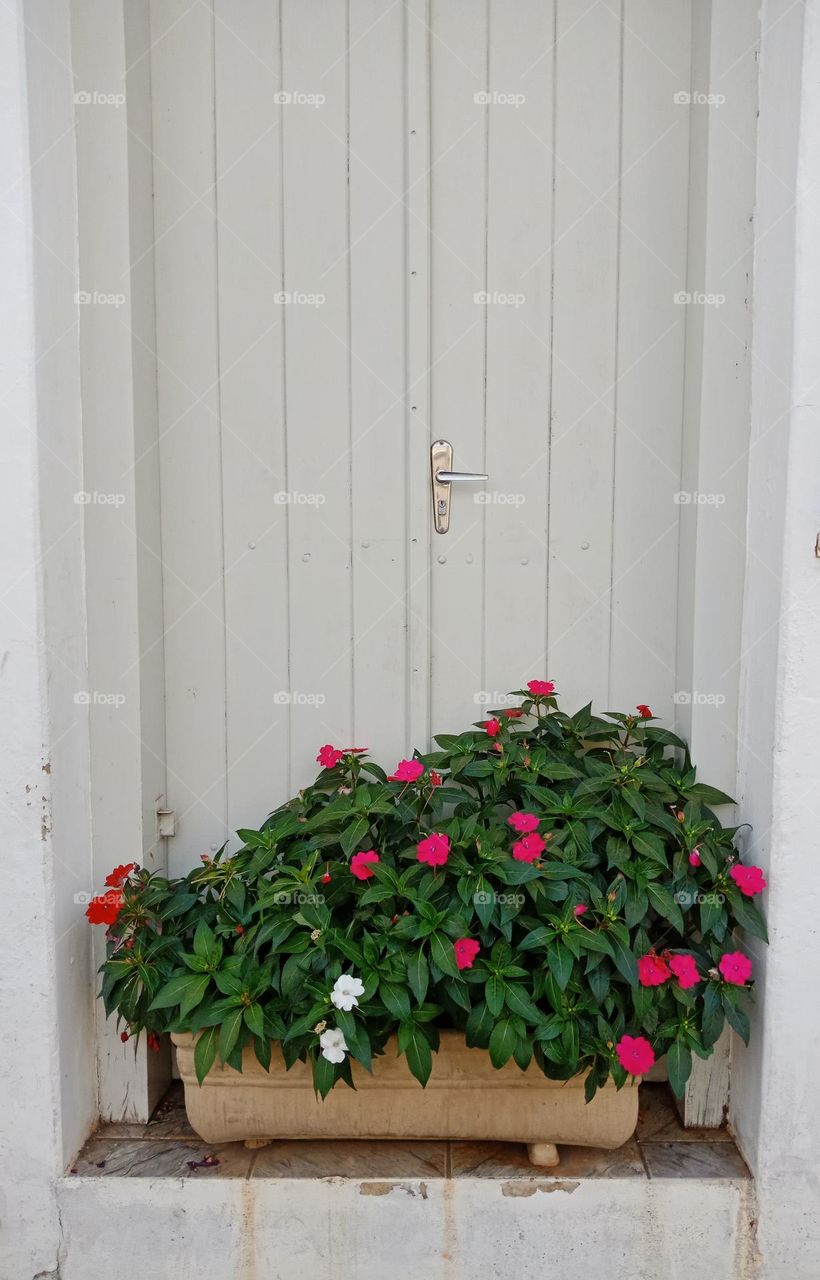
(543, 1154)
(253, 1143)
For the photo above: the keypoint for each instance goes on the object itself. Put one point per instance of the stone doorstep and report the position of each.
(167, 1147)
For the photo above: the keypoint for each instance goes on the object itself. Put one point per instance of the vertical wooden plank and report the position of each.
(459, 124)
(251, 327)
(418, 431)
(584, 350)
(317, 372)
(378, 285)
(651, 351)
(519, 237)
(189, 430)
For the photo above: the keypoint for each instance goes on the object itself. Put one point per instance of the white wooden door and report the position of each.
(379, 224)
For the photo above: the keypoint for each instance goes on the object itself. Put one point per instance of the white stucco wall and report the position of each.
(775, 1102)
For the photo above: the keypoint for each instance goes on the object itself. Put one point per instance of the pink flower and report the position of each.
(644, 711)
(434, 849)
(523, 822)
(694, 858)
(580, 910)
(635, 1054)
(407, 771)
(529, 848)
(541, 688)
(435, 778)
(685, 970)
(652, 971)
(361, 862)
(466, 950)
(491, 727)
(514, 713)
(328, 756)
(749, 880)
(736, 968)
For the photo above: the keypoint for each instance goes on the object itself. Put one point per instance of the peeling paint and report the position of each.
(384, 1188)
(530, 1188)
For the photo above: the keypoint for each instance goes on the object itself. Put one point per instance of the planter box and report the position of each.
(465, 1098)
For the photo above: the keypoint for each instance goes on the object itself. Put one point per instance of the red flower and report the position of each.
(105, 908)
(124, 1037)
(685, 970)
(434, 849)
(580, 910)
(153, 1041)
(329, 756)
(119, 875)
(514, 713)
(240, 929)
(407, 771)
(749, 880)
(735, 968)
(325, 879)
(491, 727)
(652, 971)
(435, 778)
(644, 711)
(541, 688)
(694, 858)
(466, 950)
(523, 822)
(361, 863)
(529, 848)
(354, 751)
(635, 1054)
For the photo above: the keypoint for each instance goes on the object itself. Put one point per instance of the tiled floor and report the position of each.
(168, 1147)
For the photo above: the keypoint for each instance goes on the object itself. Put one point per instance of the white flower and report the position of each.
(345, 991)
(333, 1045)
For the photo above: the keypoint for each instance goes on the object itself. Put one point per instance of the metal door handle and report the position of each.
(455, 477)
(442, 477)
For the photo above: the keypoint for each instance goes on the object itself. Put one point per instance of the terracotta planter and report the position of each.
(465, 1098)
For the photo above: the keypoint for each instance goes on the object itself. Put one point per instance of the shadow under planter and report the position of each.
(465, 1098)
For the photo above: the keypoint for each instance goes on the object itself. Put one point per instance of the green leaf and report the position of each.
(395, 999)
(560, 960)
(416, 1048)
(502, 1042)
(356, 1038)
(441, 950)
(255, 1020)
(207, 945)
(709, 795)
(186, 990)
(494, 992)
(324, 1075)
(519, 1002)
(229, 1032)
(205, 1052)
(479, 1026)
(353, 835)
(679, 1062)
(418, 975)
(665, 905)
(625, 961)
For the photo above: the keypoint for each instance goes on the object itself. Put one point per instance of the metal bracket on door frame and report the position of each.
(442, 478)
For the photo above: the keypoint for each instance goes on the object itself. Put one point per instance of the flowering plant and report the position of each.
(556, 887)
